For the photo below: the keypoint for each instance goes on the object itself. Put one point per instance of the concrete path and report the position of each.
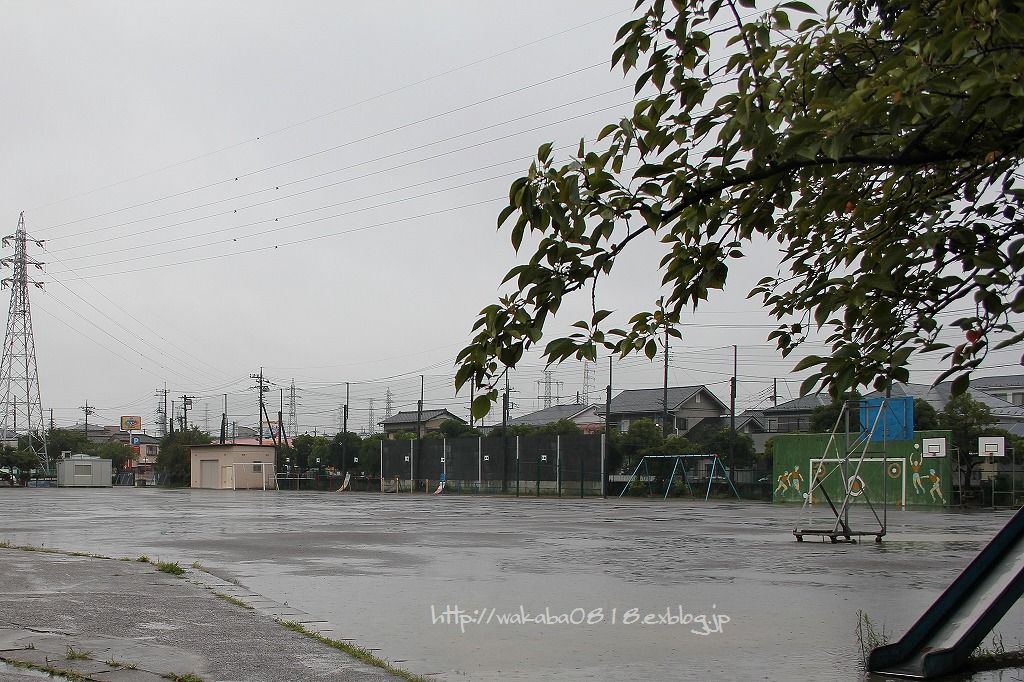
(126, 621)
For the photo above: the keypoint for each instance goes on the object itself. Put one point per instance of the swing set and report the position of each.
(715, 467)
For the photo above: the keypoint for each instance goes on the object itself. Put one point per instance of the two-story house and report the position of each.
(687, 406)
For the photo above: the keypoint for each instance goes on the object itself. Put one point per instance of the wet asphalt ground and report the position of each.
(484, 588)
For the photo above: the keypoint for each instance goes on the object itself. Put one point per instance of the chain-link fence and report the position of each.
(570, 465)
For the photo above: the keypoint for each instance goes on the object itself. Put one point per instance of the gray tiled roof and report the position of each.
(639, 400)
(426, 415)
(1003, 381)
(939, 395)
(550, 414)
(807, 403)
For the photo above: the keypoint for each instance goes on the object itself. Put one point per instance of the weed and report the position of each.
(232, 600)
(143, 559)
(78, 654)
(5, 544)
(196, 564)
(171, 567)
(114, 663)
(357, 652)
(69, 675)
(190, 677)
(869, 637)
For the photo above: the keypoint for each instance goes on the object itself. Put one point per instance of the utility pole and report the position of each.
(224, 422)
(732, 393)
(186, 402)
(88, 410)
(588, 381)
(504, 436)
(388, 403)
(261, 388)
(664, 391)
(608, 402)
(775, 392)
(19, 374)
(344, 431)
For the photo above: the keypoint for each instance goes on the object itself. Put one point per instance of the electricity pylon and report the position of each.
(21, 408)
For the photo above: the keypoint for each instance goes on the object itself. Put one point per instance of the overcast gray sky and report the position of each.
(310, 187)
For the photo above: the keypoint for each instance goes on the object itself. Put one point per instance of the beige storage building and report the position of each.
(233, 467)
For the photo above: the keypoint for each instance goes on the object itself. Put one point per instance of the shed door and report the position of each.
(209, 473)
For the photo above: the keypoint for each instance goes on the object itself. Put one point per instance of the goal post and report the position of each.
(253, 476)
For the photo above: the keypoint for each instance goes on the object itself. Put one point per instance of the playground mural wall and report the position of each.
(906, 476)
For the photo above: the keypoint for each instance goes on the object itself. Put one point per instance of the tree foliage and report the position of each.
(175, 457)
(877, 143)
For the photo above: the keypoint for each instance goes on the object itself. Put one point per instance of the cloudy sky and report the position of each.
(311, 188)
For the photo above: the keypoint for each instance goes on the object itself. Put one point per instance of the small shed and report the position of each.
(84, 471)
(233, 467)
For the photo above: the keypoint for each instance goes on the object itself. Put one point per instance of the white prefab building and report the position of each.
(84, 471)
(233, 467)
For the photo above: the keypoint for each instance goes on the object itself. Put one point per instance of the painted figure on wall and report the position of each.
(916, 462)
(783, 485)
(936, 490)
(796, 478)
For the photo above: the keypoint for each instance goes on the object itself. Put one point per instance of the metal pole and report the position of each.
(558, 463)
(604, 488)
(479, 463)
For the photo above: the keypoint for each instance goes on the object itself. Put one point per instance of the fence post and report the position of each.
(538, 476)
(604, 488)
(558, 462)
(517, 466)
(479, 463)
(382, 465)
(411, 460)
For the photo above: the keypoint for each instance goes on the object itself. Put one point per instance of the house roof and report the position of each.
(1002, 381)
(639, 400)
(939, 395)
(807, 403)
(425, 416)
(756, 416)
(552, 414)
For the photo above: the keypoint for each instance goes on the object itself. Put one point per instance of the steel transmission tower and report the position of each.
(20, 403)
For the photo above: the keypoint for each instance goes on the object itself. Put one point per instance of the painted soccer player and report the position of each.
(936, 481)
(783, 485)
(796, 478)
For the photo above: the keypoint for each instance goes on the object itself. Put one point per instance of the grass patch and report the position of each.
(114, 663)
(357, 652)
(171, 567)
(232, 600)
(78, 654)
(196, 564)
(143, 559)
(49, 670)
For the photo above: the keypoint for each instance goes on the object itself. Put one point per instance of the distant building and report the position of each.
(794, 415)
(233, 467)
(584, 416)
(1007, 387)
(687, 406)
(429, 420)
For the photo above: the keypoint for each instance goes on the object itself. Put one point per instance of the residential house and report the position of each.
(687, 406)
(429, 420)
(794, 415)
(584, 416)
(1009, 388)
